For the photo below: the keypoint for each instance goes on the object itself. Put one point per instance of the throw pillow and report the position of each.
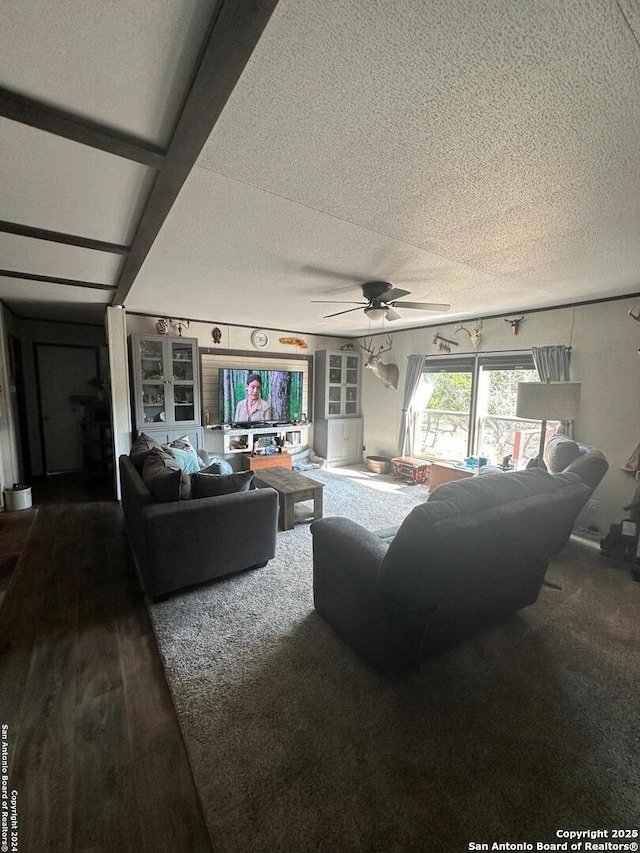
(187, 458)
(164, 478)
(183, 442)
(211, 485)
(139, 449)
(217, 466)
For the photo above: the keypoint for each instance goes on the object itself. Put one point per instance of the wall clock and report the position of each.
(259, 338)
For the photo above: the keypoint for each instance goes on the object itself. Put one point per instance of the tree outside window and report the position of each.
(444, 405)
(443, 428)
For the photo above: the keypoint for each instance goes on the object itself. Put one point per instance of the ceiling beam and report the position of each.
(59, 237)
(52, 120)
(27, 276)
(233, 37)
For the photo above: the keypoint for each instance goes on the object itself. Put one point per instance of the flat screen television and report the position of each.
(260, 396)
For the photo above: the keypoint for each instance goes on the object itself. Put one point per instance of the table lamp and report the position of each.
(548, 401)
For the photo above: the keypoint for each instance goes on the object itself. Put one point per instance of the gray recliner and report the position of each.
(475, 551)
(563, 454)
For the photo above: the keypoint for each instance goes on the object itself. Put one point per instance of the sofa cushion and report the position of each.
(560, 452)
(139, 449)
(211, 485)
(164, 478)
(186, 457)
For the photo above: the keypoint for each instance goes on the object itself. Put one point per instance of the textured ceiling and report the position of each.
(480, 154)
(124, 63)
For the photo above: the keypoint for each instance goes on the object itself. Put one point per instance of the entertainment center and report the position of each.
(230, 440)
(287, 383)
(248, 396)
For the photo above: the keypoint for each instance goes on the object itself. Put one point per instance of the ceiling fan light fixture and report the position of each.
(375, 313)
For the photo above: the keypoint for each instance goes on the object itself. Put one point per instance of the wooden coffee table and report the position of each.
(291, 488)
(445, 472)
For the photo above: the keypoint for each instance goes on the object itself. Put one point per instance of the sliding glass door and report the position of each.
(442, 426)
(467, 406)
(500, 436)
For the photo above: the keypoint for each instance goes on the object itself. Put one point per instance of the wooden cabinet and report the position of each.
(259, 463)
(338, 427)
(337, 385)
(339, 440)
(166, 387)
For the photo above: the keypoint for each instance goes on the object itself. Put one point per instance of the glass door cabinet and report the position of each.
(166, 385)
(342, 384)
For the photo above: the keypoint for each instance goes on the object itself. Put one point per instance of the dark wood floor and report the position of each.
(95, 751)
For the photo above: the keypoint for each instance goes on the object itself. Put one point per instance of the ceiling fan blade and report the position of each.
(423, 306)
(337, 314)
(394, 293)
(337, 302)
(327, 273)
(391, 314)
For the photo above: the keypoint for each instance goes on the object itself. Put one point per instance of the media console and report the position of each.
(240, 439)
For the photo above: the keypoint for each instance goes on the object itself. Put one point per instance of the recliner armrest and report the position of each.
(590, 467)
(346, 563)
(344, 549)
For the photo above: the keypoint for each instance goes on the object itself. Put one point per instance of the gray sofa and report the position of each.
(185, 542)
(475, 551)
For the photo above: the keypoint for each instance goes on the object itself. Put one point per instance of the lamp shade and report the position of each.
(548, 401)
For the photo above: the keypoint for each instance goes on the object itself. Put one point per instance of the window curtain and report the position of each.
(553, 364)
(412, 381)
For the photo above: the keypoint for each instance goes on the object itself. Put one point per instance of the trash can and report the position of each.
(17, 497)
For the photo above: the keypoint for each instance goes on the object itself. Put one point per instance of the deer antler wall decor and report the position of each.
(386, 373)
(444, 344)
(475, 334)
(179, 325)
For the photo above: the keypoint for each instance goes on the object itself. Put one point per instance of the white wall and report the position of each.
(235, 337)
(604, 341)
(116, 321)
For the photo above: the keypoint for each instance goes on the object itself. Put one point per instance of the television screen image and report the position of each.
(248, 396)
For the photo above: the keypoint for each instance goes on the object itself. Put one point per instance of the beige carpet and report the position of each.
(298, 745)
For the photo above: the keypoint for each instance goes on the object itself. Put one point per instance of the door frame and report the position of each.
(36, 361)
(16, 367)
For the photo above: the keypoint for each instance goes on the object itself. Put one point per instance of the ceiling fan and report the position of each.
(382, 300)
